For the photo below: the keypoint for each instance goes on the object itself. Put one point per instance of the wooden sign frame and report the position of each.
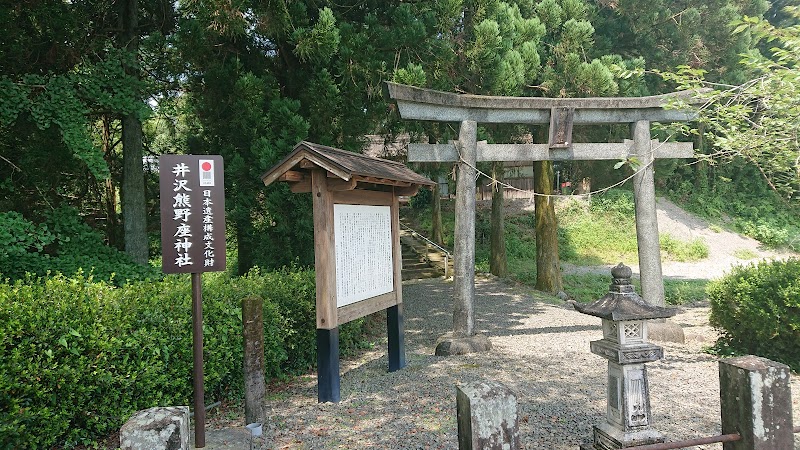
(337, 177)
(328, 314)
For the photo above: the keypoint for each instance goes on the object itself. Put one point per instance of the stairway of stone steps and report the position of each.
(421, 260)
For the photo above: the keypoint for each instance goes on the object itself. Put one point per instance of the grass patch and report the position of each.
(745, 254)
(678, 250)
(589, 287)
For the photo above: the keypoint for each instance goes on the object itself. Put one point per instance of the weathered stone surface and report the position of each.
(644, 198)
(756, 402)
(464, 234)
(666, 331)
(253, 333)
(542, 152)
(159, 428)
(427, 104)
(487, 417)
(450, 345)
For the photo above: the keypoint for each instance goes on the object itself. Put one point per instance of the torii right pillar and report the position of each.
(647, 237)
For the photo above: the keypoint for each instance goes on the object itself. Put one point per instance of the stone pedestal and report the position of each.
(450, 345)
(159, 428)
(756, 401)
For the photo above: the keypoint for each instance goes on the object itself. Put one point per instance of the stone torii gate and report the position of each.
(561, 114)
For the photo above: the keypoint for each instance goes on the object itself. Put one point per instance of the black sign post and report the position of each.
(193, 241)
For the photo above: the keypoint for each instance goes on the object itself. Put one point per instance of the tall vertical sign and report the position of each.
(192, 213)
(193, 241)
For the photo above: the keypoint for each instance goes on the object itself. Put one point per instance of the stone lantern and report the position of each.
(625, 346)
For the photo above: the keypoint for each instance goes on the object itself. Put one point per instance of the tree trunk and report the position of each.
(109, 189)
(134, 208)
(548, 270)
(244, 242)
(497, 257)
(436, 216)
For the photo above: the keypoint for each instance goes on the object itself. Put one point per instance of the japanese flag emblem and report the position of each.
(206, 171)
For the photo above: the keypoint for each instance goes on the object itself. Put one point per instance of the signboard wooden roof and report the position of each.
(351, 168)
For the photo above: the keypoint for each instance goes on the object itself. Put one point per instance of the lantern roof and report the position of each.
(622, 302)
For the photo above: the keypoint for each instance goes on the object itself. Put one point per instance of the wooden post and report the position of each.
(394, 314)
(464, 233)
(324, 250)
(644, 194)
(197, 356)
(325, 263)
(253, 333)
(756, 402)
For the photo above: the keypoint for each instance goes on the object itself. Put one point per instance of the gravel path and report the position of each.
(541, 351)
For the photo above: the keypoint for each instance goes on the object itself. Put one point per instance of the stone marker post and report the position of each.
(756, 401)
(487, 417)
(254, 386)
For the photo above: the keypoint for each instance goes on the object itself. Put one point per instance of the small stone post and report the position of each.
(253, 332)
(487, 417)
(756, 401)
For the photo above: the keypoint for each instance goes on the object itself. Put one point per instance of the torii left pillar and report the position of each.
(463, 339)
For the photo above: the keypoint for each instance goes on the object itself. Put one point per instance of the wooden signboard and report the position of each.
(356, 244)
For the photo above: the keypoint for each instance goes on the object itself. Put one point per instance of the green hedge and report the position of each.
(757, 310)
(78, 357)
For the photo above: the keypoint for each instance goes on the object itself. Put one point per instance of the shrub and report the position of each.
(757, 310)
(78, 357)
(63, 243)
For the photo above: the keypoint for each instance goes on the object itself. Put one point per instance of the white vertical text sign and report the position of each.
(363, 246)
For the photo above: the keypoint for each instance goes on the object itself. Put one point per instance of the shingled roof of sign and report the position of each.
(344, 164)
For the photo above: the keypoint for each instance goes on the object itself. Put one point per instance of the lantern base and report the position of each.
(607, 437)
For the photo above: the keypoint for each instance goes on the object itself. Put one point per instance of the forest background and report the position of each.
(91, 89)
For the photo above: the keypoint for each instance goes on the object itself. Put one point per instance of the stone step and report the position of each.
(417, 274)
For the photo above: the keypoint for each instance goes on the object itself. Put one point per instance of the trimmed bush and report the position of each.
(757, 310)
(78, 357)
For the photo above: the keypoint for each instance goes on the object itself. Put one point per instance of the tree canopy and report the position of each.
(249, 79)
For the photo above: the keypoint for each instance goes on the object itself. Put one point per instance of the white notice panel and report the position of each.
(363, 241)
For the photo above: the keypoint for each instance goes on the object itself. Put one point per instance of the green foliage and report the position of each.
(321, 41)
(77, 357)
(65, 244)
(755, 307)
(736, 195)
(755, 121)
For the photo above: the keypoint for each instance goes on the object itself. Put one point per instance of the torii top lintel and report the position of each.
(428, 104)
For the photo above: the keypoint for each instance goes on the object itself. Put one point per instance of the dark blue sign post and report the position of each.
(193, 241)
